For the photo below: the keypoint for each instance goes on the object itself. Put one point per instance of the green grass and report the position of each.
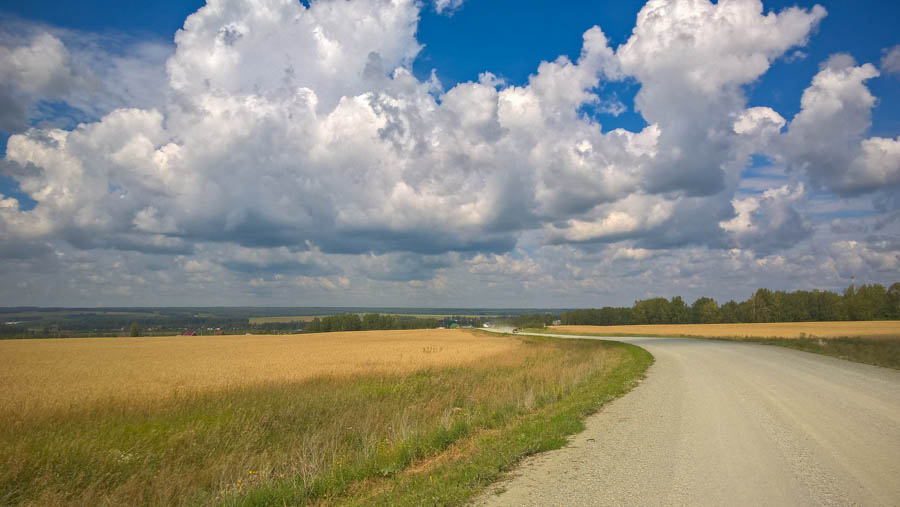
(543, 330)
(547, 429)
(434, 436)
(876, 351)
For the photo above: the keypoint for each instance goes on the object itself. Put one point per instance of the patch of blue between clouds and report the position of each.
(10, 188)
(160, 18)
(886, 115)
(61, 115)
(757, 161)
(824, 198)
(48, 115)
(510, 38)
(845, 213)
(611, 93)
(760, 175)
(782, 86)
(520, 253)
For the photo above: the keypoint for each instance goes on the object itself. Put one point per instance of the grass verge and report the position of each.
(878, 351)
(436, 435)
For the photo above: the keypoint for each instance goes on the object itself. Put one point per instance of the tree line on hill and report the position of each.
(530, 320)
(866, 302)
(368, 322)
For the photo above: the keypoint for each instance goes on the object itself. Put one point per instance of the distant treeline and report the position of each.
(38, 322)
(368, 322)
(531, 320)
(866, 302)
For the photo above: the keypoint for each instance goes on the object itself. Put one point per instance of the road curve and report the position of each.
(727, 423)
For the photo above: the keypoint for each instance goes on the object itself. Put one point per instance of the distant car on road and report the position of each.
(515, 331)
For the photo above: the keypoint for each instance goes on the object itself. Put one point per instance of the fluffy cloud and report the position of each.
(342, 149)
(42, 66)
(769, 221)
(758, 126)
(851, 257)
(37, 68)
(447, 6)
(503, 266)
(624, 219)
(706, 47)
(826, 138)
(692, 59)
(638, 254)
(890, 62)
(289, 149)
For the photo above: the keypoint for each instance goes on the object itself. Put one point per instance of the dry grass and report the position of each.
(866, 329)
(41, 375)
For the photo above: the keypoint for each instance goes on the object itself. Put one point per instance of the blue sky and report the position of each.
(596, 215)
(509, 38)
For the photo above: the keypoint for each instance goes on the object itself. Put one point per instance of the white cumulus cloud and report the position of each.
(280, 147)
(447, 6)
(826, 139)
(890, 62)
(40, 65)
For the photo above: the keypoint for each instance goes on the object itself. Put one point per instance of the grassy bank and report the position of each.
(867, 329)
(877, 351)
(881, 350)
(435, 435)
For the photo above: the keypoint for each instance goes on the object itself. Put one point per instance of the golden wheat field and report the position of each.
(63, 373)
(867, 329)
(333, 418)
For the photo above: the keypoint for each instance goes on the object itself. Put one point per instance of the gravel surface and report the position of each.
(725, 423)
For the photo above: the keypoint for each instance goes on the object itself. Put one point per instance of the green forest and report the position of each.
(865, 302)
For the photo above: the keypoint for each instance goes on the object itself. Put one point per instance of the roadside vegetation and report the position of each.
(431, 422)
(870, 342)
(877, 351)
(870, 329)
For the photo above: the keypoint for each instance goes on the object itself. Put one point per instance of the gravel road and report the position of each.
(725, 423)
